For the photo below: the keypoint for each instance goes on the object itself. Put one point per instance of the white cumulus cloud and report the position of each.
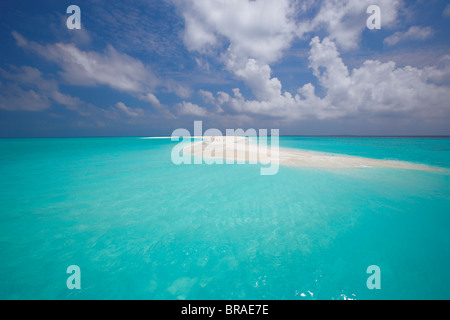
(345, 20)
(255, 29)
(188, 108)
(375, 88)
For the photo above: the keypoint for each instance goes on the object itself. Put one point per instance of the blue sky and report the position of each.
(140, 68)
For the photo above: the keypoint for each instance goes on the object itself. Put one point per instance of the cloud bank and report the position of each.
(252, 35)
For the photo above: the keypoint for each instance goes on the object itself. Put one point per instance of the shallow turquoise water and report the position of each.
(140, 227)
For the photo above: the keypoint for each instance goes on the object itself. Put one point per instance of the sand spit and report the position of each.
(244, 150)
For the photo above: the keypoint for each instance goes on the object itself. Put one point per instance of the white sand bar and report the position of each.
(243, 149)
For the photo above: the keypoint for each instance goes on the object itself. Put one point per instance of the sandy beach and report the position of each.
(243, 149)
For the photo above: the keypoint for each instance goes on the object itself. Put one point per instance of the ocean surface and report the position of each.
(140, 227)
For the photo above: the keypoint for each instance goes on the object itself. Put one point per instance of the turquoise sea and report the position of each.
(140, 227)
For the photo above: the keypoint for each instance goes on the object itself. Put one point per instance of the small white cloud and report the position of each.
(180, 90)
(197, 36)
(413, 33)
(150, 97)
(207, 96)
(132, 112)
(188, 108)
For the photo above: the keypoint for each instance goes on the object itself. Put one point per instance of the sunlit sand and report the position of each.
(244, 150)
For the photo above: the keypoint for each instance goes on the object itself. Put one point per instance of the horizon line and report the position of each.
(287, 136)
